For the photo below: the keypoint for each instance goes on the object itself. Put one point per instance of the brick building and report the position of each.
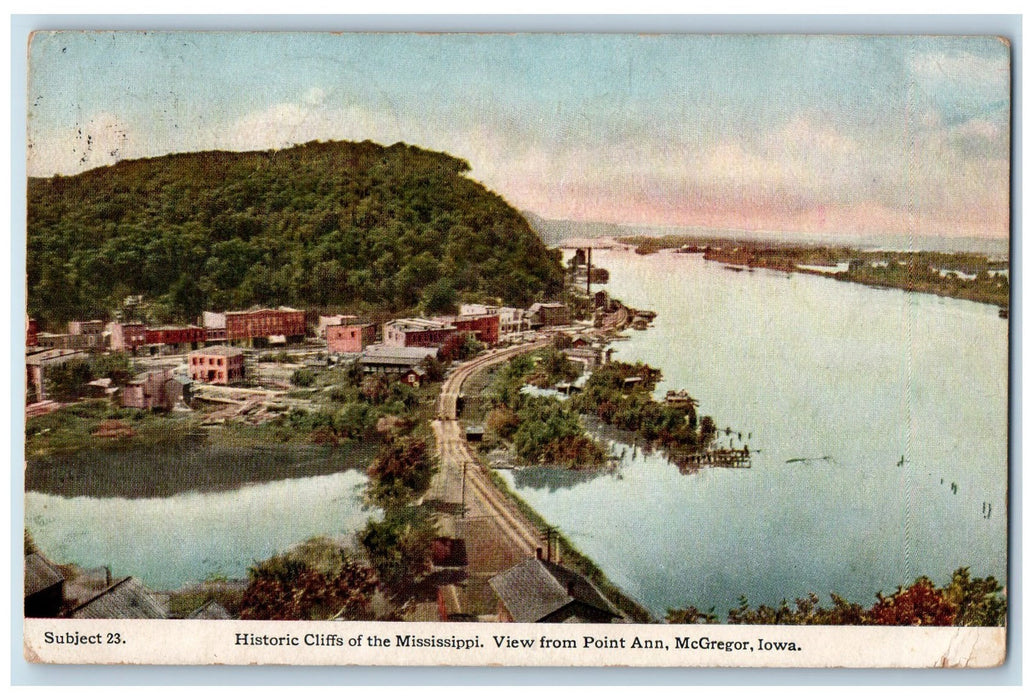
(417, 333)
(484, 327)
(350, 337)
(218, 364)
(126, 337)
(334, 320)
(549, 314)
(176, 337)
(511, 320)
(263, 324)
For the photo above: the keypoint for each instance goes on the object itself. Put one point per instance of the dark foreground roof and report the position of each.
(534, 589)
(39, 575)
(127, 599)
(210, 611)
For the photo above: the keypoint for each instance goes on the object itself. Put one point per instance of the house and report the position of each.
(549, 314)
(484, 327)
(261, 324)
(44, 588)
(218, 364)
(350, 338)
(585, 354)
(151, 390)
(536, 590)
(38, 360)
(417, 332)
(125, 337)
(383, 359)
(126, 599)
(414, 377)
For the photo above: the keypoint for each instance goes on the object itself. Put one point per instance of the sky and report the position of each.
(826, 134)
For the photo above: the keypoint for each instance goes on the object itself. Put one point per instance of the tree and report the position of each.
(116, 366)
(919, 604)
(978, 601)
(691, 616)
(439, 297)
(434, 368)
(707, 430)
(399, 546)
(375, 388)
(303, 377)
(65, 382)
(400, 473)
(288, 588)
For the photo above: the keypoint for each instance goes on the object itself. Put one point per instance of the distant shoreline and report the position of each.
(968, 276)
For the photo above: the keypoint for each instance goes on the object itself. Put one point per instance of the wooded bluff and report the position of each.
(355, 226)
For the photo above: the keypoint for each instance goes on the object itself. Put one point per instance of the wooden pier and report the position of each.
(726, 457)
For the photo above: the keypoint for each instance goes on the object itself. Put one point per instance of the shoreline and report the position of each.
(964, 276)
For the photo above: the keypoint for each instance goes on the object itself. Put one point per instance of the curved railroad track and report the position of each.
(456, 454)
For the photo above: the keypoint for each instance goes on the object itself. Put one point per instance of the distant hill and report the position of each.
(555, 231)
(322, 225)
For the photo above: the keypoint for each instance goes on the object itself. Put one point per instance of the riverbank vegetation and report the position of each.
(963, 602)
(958, 275)
(541, 429)
(621, 394)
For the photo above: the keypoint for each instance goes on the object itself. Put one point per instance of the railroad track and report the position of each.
(455, 452)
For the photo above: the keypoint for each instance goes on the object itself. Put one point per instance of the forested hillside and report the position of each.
(338, 224)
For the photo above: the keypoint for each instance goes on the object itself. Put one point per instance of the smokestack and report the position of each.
(588, 275)
(538, 553)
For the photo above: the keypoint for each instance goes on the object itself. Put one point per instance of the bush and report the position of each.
(303, 377)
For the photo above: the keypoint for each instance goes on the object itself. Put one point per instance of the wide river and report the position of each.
(831, 384)
(847, 378)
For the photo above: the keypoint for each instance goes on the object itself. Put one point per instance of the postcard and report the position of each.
(392, 349)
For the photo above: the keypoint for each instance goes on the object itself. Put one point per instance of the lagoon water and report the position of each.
(830, 384)
(168, 542)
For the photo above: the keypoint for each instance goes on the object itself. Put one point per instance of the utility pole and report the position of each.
(549, 533)
(464, 489)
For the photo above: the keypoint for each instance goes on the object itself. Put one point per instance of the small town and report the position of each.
(488, 556)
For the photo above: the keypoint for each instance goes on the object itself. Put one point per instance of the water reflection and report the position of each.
(554, 479)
